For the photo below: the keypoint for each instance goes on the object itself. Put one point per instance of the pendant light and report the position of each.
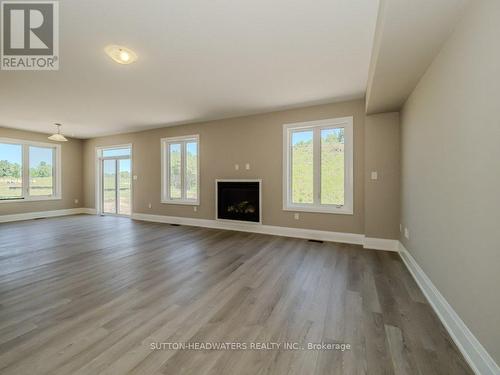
(58, 136)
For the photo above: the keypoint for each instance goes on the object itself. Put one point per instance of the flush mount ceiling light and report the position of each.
(121, 55)
(58, 136)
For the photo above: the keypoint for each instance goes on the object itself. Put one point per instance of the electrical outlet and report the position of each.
(236, 167)
(150, 205)
(135, 177)
(247, 166)
(296, 216)
(407, 233)
(195, 208)
(374, 175)
(76, 201)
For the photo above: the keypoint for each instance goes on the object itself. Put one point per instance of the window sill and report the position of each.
(320, 210)
(181, 202)
(37, 199)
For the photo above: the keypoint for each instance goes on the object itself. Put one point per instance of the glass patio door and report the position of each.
(116, 186)
(124, 184)
(109, 184)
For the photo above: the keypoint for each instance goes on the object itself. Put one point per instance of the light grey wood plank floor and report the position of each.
(89, 295)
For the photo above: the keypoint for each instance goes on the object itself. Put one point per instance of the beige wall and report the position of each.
(72, 181)
(451, 172)
(254, 139)
(382, 155)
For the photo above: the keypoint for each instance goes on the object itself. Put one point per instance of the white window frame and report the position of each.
(316, 127)
(56, 173)
(165, 168)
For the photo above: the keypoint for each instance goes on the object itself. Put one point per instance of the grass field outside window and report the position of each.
(318, 162)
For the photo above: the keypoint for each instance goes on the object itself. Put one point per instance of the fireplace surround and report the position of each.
(238, 200)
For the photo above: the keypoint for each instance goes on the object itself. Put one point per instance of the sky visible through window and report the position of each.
(12, 154)
(301, 136)
(124, 163)
(116, 152)
(39, 154)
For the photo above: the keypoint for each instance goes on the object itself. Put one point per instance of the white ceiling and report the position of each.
(198, 60)
(409, 34)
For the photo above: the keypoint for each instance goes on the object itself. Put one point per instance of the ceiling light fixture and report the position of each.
(121, 55)
(58, 136)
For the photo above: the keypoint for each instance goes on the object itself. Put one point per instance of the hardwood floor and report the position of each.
(90, 295)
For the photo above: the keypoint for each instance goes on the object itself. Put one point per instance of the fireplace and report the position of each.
(238, 200)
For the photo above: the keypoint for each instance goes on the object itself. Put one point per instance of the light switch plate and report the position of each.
(247, 166)
(135, 177)
(296, 216)
(374, 175)
(236, 167)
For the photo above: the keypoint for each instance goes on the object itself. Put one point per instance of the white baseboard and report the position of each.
(474, 353)
(88, 211)
(320, 235)
(43, 214)
(381, 244)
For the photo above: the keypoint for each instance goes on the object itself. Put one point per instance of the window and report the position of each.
(180, 170)
(318, 166)
(41, 180)
(116, 152)
(11, 171)
(29, 170)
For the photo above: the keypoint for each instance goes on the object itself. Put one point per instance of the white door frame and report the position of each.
(98, 177)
